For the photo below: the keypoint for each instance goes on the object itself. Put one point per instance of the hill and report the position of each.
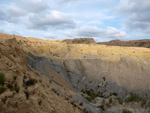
(60, 76)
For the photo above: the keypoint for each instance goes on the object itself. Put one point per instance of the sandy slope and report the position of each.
(44, 96)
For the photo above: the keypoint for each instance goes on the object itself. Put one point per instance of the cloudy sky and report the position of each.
(103, 20)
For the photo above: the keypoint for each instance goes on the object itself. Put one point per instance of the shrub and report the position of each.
(27, 94)
(104, 78)
(2, 80)
(103, 102)
(24, 77)
(120, 100)
(30, 82)
(91, 94)
(16, 88)
(108, 105)
(133, 97)
(14, 77)
(102, 107)
(110, 100)
(10, 86)
(143, 103)
(115, 94)
(2, 89)
(126, 111)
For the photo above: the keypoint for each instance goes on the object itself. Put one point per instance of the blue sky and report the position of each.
(103, 20)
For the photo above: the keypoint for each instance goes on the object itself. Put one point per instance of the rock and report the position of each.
(79, 41)
(132, 43)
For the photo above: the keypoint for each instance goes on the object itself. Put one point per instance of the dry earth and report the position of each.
(63, 70)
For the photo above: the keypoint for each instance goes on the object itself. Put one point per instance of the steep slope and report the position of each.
(23, 89)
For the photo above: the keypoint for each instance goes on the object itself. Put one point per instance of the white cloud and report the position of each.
(32, 5)
(95, 32)
(50, 20)
(68, 34)
(137, 12)
(71, 18)
(114, 32)
(49, 35)
(89, 31)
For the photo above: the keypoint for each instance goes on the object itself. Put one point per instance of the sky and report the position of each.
(103, 20)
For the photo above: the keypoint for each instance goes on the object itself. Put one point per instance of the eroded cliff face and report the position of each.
(100, 78)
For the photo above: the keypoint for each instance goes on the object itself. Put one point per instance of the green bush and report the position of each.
(143, 103)
(24, 77)
(16, 88)
(26, 93)
(30, 82)
(10, 86)
(15, 77)
(104, 78)
(2, 79)
(108, 105)
(2, 89)
(120, 100)
(115, 94)
(126, 111)
(110, 100)
(102, 107)
(91, 94)
(133, 97)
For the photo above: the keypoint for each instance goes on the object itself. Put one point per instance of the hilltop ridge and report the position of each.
(132, 43)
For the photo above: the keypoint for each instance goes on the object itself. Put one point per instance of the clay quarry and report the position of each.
(73, 76)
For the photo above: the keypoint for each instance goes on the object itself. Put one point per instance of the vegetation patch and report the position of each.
(133, 98)
(120, 100)
(143, 103)
(114, 93)
(26, 94)
(126, 111)
(16, 88)
(110, 100)
(2, 79)
(102, 107)
(30, 82)
(14, 77)
(2, 89)
(10, 86)
(91, 94)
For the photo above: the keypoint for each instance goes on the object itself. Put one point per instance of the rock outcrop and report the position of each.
(132, 43)
(80, 41)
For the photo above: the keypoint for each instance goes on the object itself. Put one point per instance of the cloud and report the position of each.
(89, 31)
(68, 34)
(137, 12)
(32, 5)
(93, 31)
(49, 35)
(50, 20)
(2, 14)
(35, 14)
(16, 10)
